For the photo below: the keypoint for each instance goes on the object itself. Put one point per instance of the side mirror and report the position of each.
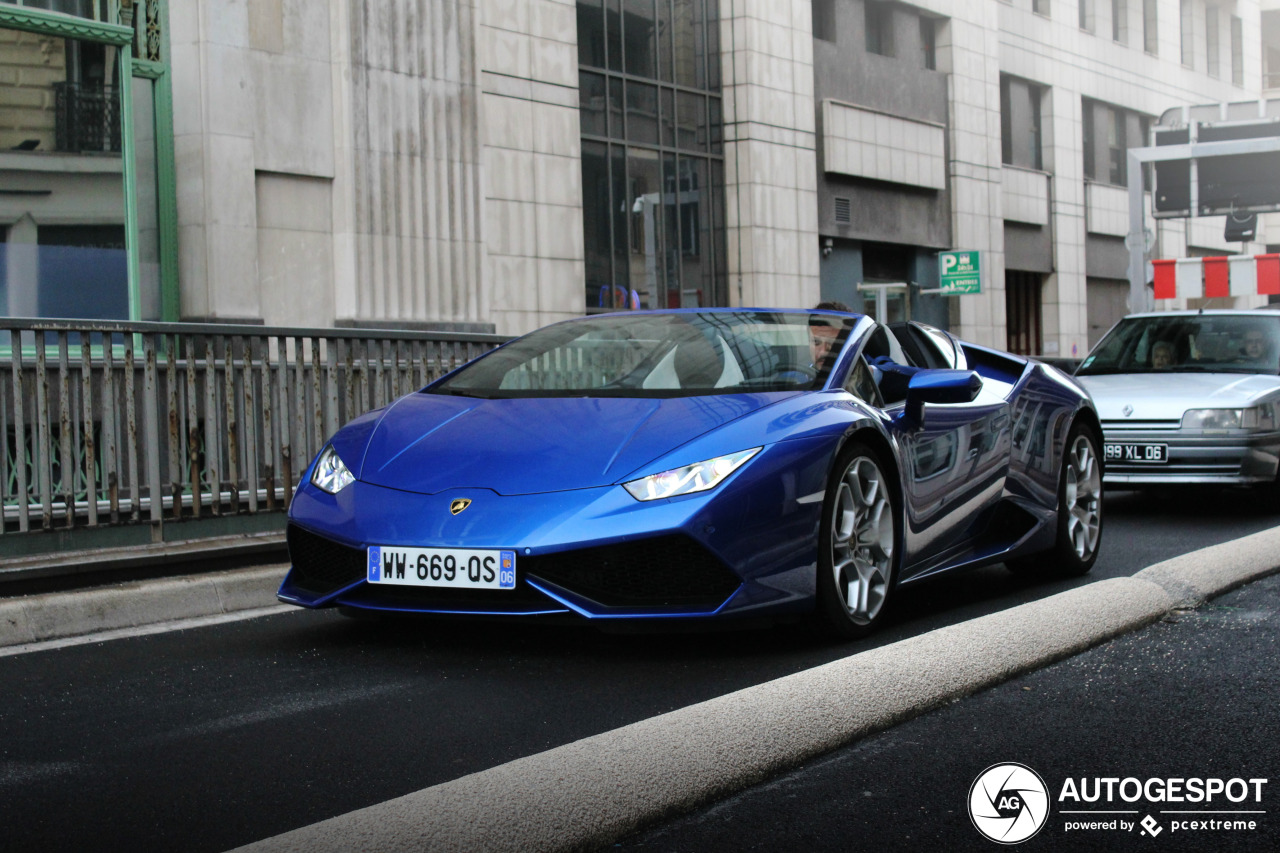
(940, 386)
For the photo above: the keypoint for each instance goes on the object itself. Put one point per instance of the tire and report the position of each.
(857, 543)
(1079, 511)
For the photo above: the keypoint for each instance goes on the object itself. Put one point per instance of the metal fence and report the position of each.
(111, 423)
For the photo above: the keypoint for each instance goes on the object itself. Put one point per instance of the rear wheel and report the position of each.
(857, 543)
(1079, 510)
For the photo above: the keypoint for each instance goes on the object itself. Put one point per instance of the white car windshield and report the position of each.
(1189, 343)
(654, 354)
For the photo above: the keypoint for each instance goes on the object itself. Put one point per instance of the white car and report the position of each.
(1189, 397)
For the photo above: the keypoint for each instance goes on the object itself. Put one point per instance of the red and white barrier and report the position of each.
(1235, 275)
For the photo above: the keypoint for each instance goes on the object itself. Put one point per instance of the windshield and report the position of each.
(660, 355)
(1180, 343)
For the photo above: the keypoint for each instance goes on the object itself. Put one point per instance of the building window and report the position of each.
(75, 249)
(824, 20)
(1023, 310)
(1150, 27)
(929, 42)
(879, 24)
(1108, 133)
(1187, 31)
(1211, 41)
(1085, 9)
(1040, 7)
(1120, 21)
(1117, 158)
(1020, 128)
(1237, 51)
(652, 155)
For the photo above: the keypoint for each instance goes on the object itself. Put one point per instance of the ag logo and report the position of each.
(459, 505)
(1008, 803)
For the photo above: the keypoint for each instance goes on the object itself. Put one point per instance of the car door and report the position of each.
(955, 461)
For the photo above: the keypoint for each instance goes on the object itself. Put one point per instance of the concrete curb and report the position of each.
(586, 794)
(58, 615)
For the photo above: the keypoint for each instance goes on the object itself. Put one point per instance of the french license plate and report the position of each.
(461, 568)
(1147, 454)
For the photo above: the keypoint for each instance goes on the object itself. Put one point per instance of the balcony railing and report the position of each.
(110, 423)
(87, 117)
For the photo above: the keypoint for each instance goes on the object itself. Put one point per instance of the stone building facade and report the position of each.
(501, 164)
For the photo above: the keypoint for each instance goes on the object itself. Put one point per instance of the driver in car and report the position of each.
(1256, 346)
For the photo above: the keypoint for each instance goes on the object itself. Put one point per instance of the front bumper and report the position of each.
(746, 548)
(1195, 458)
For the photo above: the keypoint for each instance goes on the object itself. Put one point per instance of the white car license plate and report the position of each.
(461, 568)
(1147, 454)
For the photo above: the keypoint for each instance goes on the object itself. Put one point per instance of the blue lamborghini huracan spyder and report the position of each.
(701, 464)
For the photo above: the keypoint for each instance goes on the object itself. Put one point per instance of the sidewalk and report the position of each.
(1195, 696)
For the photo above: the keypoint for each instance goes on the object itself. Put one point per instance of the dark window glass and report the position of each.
(929, 42)
(689, 44)
(1090, 140)
(713, 46)
(1116, 146)
(824, 20)
(591, 39)
(640, 29)
(617, 126)
(1020, 123)
(644, 206)
(717, 126)
(1040, 7)
(596, 219)
(619, 201)
(879, 23)
(668, 97)
(672, 279)
(716, 286)
(642, 112)
(664, 67)
(655, 198)
(692, 128)
(592, 112)
(613, 33)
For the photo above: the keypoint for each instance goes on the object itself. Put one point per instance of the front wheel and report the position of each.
(1079, 510)
(857, 544)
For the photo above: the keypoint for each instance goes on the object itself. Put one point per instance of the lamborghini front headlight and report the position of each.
(331, 474)
(688, 479)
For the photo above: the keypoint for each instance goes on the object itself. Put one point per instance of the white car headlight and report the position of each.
(1255, 418)
(698, 477)
(331, 473)
(1211, 419)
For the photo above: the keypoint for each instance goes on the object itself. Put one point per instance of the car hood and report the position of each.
(428, 443)
(1165, 396)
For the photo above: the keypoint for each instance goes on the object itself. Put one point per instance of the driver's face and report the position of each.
(821, 339)
(1254, 344)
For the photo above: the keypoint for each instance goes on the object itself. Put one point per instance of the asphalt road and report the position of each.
(1196, 696)
(206, 739)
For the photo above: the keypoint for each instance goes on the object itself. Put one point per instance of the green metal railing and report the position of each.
(114, 423)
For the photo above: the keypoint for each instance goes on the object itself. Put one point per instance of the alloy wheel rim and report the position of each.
(1083, 503)
(862, 540)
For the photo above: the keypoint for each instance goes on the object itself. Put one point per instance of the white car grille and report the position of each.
(1140, 426)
